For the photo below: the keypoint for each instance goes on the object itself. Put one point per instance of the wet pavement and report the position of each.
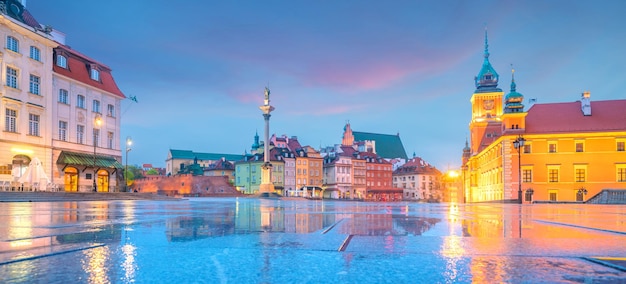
(248, 240)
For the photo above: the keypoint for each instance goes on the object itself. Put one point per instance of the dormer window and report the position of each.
(95, 74)
(61, 61)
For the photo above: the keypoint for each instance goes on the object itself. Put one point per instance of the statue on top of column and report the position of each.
(267, 96)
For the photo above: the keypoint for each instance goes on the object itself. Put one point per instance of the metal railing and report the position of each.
(609, 196)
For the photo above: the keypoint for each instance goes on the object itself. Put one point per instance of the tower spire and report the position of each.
(487, 79)
(513, 85)
(486, 47)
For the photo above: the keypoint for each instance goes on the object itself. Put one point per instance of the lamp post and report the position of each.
(96, 127)
(129, 143)
(519, 144)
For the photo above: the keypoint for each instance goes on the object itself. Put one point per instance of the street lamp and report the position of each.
(129, 143)
(96, 128)
(519, 144)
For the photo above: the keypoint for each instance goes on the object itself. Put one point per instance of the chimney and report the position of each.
(585, 103)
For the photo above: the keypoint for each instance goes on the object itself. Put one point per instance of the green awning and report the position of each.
(83, 159)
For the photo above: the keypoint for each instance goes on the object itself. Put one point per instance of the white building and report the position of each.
(418, 179)
(40, 122)
(86, 123)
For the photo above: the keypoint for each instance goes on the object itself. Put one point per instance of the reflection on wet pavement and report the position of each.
(278, 241)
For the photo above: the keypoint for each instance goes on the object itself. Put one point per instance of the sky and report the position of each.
(199, 68)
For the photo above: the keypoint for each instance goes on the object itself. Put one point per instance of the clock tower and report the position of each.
(486, 124)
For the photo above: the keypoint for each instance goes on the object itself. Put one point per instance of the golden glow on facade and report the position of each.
(22, 151)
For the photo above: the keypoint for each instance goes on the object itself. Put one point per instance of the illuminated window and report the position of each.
(621, 173)
(552, 147)
(33, 124)
(553, 175)
(580, 147)
(580, 175)
(527, 175)
(13, 44)
(10, 120)
(620, 146)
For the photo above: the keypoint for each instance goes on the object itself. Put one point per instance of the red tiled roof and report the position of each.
(79, 70)
(377, 159)
(293, 145)
(607, 115)
(347, 151)
(417, 165)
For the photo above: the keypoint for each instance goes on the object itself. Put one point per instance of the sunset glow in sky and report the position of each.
(199, 68)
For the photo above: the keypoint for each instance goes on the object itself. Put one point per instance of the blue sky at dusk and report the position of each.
(199, 68)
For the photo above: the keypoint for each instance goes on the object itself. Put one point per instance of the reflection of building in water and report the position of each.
(387, 224)
(186, 185)
(307, 222)
(255, 217)
(189, 228)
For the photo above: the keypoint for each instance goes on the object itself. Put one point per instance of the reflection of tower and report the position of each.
(266, 172)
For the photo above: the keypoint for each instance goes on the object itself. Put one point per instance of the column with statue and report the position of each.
(266, 171)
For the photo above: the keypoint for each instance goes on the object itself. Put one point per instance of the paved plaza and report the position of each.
(251, 240)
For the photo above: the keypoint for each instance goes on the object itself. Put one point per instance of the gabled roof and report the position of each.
(607, 115)
(79, 68)
(190, 155)
(417, 166)
(373, 158)
(276, 154)
(294, 145)
(221, 165)
(387, 146)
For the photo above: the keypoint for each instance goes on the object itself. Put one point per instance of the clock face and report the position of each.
(488, 104)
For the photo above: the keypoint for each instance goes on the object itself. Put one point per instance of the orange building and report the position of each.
(568, 151)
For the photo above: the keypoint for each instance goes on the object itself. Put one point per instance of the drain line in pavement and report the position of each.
(345, 243)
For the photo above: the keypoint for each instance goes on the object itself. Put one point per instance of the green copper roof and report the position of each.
(190, 155)
(84, 159)
(487, 79)
(387, 146)
(513, 100)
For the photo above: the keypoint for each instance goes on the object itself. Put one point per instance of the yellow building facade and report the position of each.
(571, 151)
